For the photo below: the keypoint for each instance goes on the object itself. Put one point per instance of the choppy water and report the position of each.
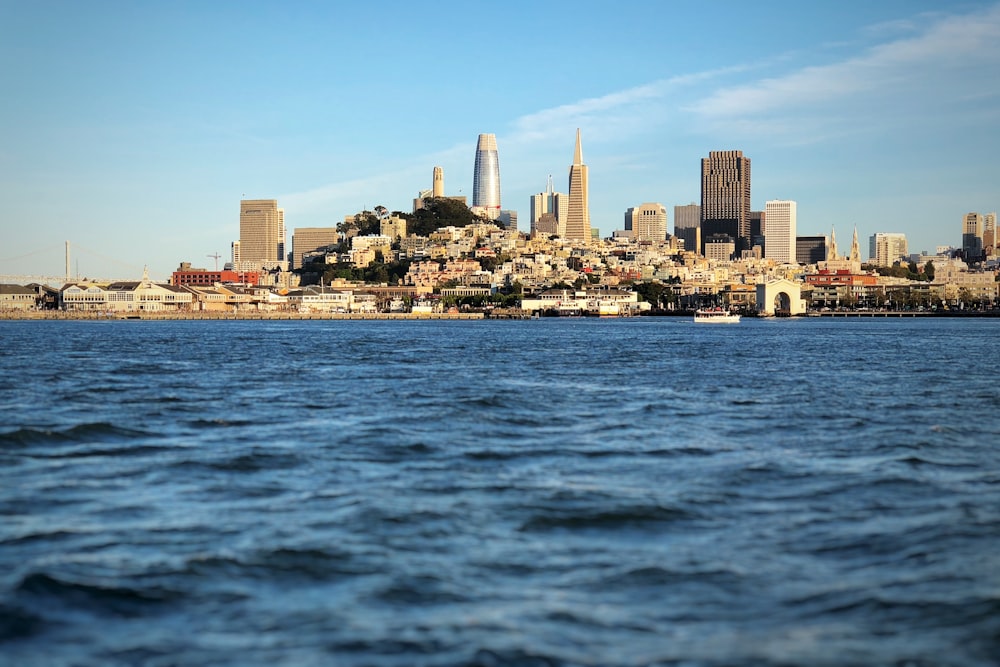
(554, 492)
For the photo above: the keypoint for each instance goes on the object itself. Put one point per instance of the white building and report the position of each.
(647, 222)
(779, 235)
(886, 248)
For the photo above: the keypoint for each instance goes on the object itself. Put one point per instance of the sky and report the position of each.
(132, 129)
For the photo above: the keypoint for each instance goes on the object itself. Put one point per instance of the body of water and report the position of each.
(554, 492)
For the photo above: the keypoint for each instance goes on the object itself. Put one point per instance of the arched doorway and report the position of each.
(782, 304)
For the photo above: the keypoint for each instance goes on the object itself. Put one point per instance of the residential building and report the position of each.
(393, 227)
(486, 177)
(779, 233)
(725, 197)
(578, 210)
(886, 248)
(720, 247)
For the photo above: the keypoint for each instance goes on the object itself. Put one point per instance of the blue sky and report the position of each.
(132, 129)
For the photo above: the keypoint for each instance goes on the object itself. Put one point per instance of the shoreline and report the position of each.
(13, 315)
(97, 316)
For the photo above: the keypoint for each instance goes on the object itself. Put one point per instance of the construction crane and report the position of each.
(216, 256)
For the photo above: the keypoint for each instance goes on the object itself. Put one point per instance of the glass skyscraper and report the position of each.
(486, 177)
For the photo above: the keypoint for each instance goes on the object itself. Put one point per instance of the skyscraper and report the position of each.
(972, 236)
(990, 233)
(486, 177)
(725, 197)
(780, 216)
(555, 203)
(262, 231)
(687, 221)
(578, 211)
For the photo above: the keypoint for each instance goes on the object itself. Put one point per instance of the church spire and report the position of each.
(855, 247)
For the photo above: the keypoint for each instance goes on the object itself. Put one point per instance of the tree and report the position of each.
(439, 212)
(929, 270)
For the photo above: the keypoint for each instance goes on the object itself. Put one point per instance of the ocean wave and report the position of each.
(80, 433)
(115, 600)
(605, 519)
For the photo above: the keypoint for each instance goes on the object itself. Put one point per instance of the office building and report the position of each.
(687, 226)
(779, 233)
(508, 220)
(556, 203)
(310, 239)
(578, 211)
(972, 237)
(719, 247)
(262, 231)
(810, 249)
(758, 223)
(647, 222)
(990, 233)
(885, 248)
(486, 177)
(725, 197)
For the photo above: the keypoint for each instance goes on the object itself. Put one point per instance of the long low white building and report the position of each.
(143, 295)
(597, 302)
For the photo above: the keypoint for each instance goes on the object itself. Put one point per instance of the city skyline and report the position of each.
(860, 113)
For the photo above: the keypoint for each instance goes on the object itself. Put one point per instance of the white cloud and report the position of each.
(948, 49)
(553, 123)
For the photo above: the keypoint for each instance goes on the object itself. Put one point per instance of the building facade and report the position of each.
(779, 234)
(725, 197)
(554, 203)
(972, 236)
(886, 248)
(486, 177)
(310, 239)
(647, 222)
(810, 249)
(578, 210)
(687, 226)
(262, 231)
(990, 234)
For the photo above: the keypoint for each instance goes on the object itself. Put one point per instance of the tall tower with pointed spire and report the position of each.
(855, 248)
(486, 177)
(578, 211)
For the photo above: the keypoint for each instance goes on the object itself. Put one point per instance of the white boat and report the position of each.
(715, 316)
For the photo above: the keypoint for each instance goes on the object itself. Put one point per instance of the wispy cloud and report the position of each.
(379, 188)
(949, 47)
(553, 122)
